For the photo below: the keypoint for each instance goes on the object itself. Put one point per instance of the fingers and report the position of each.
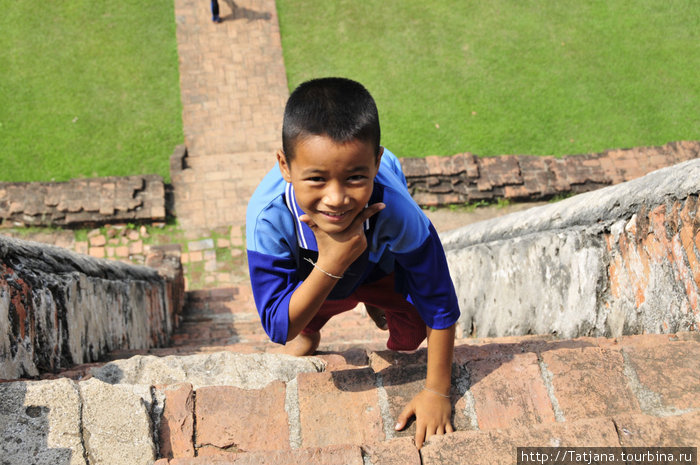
(407, 413)
(420, 437)
(423, 433)
(372, 210)
(368, 213)
(307, 219)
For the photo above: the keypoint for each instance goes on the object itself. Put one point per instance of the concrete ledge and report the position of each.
(59, 308)
(620, 260)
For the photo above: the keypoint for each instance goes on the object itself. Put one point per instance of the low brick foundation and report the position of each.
(80, 202)
(465, 177)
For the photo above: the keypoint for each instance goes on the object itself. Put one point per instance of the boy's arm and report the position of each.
(433, 406)
(336, 252)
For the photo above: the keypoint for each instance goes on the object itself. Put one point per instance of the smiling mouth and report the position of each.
(334, 214)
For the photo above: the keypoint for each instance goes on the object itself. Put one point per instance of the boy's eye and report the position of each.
(315, 179)
(357, 177)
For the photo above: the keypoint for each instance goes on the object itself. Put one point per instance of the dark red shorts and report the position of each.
(406, 327)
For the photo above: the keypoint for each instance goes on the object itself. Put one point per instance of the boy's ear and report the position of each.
(284, 166)
(379, 156)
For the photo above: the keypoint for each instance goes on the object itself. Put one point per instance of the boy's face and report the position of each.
(332, 182)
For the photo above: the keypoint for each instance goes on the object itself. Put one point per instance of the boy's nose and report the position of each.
(335, 197)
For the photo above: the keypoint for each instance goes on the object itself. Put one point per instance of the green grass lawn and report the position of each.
(87, 89)
(508, 77)
(91, 88)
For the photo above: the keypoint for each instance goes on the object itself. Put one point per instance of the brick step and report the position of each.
(395, 452)
(506, 392)
(225, 317)
(498, 447)
(498, 384)
(481, 447)
(221, 300)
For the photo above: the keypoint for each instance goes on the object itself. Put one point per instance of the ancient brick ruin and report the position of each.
(466, 177)
(82, 202)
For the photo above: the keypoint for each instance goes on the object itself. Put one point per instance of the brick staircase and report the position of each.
(229, 397)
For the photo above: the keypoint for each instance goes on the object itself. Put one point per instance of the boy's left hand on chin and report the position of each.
(432, 413)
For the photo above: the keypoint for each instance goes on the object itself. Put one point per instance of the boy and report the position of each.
(333, 225)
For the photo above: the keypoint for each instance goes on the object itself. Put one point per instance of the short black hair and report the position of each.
(339, 108)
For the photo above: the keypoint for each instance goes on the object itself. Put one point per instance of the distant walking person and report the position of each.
(215, 11)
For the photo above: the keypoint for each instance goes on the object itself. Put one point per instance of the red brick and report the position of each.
(401, 451)
(382, 359)
(480, 349)
(122, 252)
(558, 168)
(177, 424)
(330, 455)
(231, 418)
(670, 370)
(97, 241)
(498, 447)
(401, 384)
(589, 382)
(646, 431)
(435, 165)
(97, 252)
(339, 407)
(509, 391)
(349, 359)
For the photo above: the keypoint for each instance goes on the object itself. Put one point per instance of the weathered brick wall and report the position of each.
(83, 201)
(624, 259)
(465, 177)
(58, 308)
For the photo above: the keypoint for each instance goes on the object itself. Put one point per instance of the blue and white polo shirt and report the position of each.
(400, 239)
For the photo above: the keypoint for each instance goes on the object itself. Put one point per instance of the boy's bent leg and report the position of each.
(308, 340)
(378, 316)
(407, 329)
(305, 343)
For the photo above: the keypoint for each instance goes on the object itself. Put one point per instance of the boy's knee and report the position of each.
(404, 344)
(305, 343)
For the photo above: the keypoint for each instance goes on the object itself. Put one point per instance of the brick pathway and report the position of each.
(234, 88)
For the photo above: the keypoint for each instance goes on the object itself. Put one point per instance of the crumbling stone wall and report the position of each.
(624, 259)
(83, 201)
(59, 308)
(465, 177)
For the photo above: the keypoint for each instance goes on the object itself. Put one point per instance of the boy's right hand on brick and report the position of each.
(337, 251)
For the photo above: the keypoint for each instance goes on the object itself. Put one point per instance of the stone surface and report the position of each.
(249, 371)
(117, 423)
(232, 419)
(40, 423)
